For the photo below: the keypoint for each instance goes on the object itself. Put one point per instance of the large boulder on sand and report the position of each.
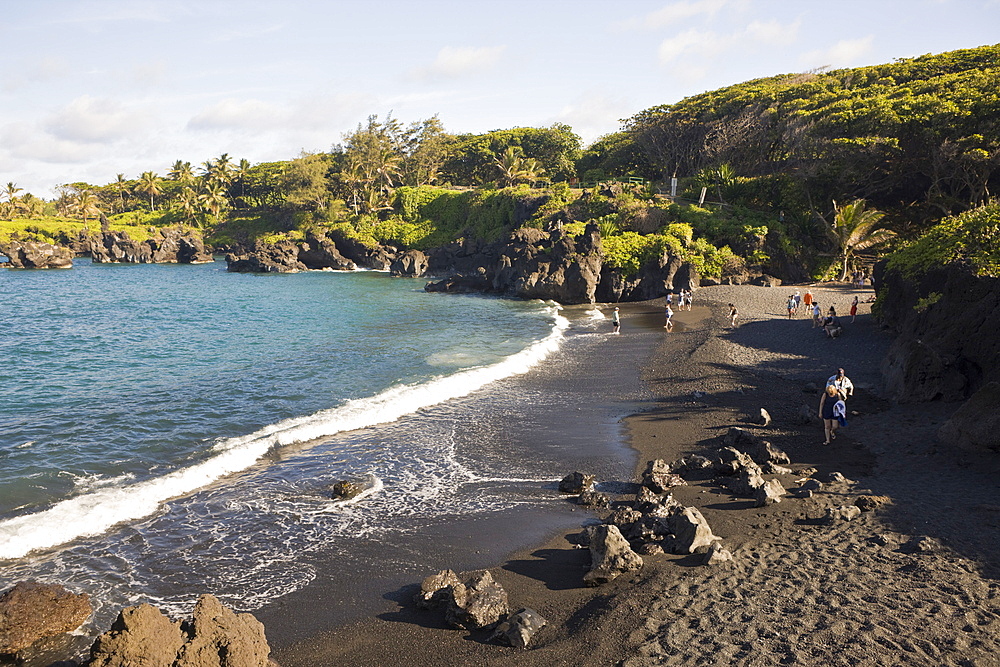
(519, 628)
(31, 611)
(691, 531)
(610, 555)
(476, 602)
(214, 637)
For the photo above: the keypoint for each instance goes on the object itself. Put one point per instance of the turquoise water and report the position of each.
(168, 430)
(117, 373)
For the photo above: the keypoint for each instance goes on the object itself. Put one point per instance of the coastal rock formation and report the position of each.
(610, 554)
(760, 450)
(169, 246)
(316, 252)
(378, 257)
(36, 255)
(411, 263)
(31, 611)
(944, 319)
(214, 637)
(519, 628)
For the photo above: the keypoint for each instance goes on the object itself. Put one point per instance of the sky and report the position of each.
(93, 88)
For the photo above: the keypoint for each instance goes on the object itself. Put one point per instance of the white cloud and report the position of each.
(692, 42)
(454, 62)
(594, 114)
(772, 32)
(678, 12)
(845, 53)
(95, 120)
(233, 114)
(23, 142)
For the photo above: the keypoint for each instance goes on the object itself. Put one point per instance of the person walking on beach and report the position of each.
(827, 400)
(733, 315)
(798, 301)
(807, 300)
(842, 383)
(790, 305)
(854, 308)
(616, 321)
(817, 315)
(669, 313)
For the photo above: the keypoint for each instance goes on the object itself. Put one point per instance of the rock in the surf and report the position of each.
(576, 482)
(31, 611)
(345, 489)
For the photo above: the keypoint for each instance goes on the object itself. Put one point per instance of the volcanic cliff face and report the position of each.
(948, 326)
(947, 346)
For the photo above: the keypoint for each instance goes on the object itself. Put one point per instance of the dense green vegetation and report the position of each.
(972, 238)
(760, 167)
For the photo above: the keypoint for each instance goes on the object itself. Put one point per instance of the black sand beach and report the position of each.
(912, 583)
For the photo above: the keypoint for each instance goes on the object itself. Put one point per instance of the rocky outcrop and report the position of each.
(576, 482)
(654, 279)
(36, 255)
(411, 263)
(946, 321)
(169, 246)
(528, 264)
(215, 636)
(378, 257)
(30, 612)
(334, 252)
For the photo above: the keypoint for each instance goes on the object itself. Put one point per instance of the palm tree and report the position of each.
(181, 172)
(241, 173)
(149, 183)
(31, 205)
(11, 192)
(86, 206)
(121, 184)
(189, 204)
(855, 227)
(515, 168)
(213, 199)
(220, 171)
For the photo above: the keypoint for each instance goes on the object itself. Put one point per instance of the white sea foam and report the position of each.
(95, 511)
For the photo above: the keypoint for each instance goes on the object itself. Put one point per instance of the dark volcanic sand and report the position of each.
(867, 592)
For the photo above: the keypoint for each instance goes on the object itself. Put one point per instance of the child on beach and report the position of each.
(669, 313)
(616, 321)
(733, 314)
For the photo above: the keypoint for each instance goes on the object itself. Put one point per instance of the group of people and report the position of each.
(833, 404)
(684, 299)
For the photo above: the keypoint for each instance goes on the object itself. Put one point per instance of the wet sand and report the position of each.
(913, 583)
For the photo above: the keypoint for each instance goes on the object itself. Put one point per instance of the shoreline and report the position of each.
(872, 591)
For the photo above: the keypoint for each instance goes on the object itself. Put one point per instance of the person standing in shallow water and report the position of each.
(616, 321)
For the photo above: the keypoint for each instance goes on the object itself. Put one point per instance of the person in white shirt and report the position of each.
(843, 384)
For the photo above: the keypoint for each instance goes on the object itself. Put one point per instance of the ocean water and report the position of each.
(170, 430)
